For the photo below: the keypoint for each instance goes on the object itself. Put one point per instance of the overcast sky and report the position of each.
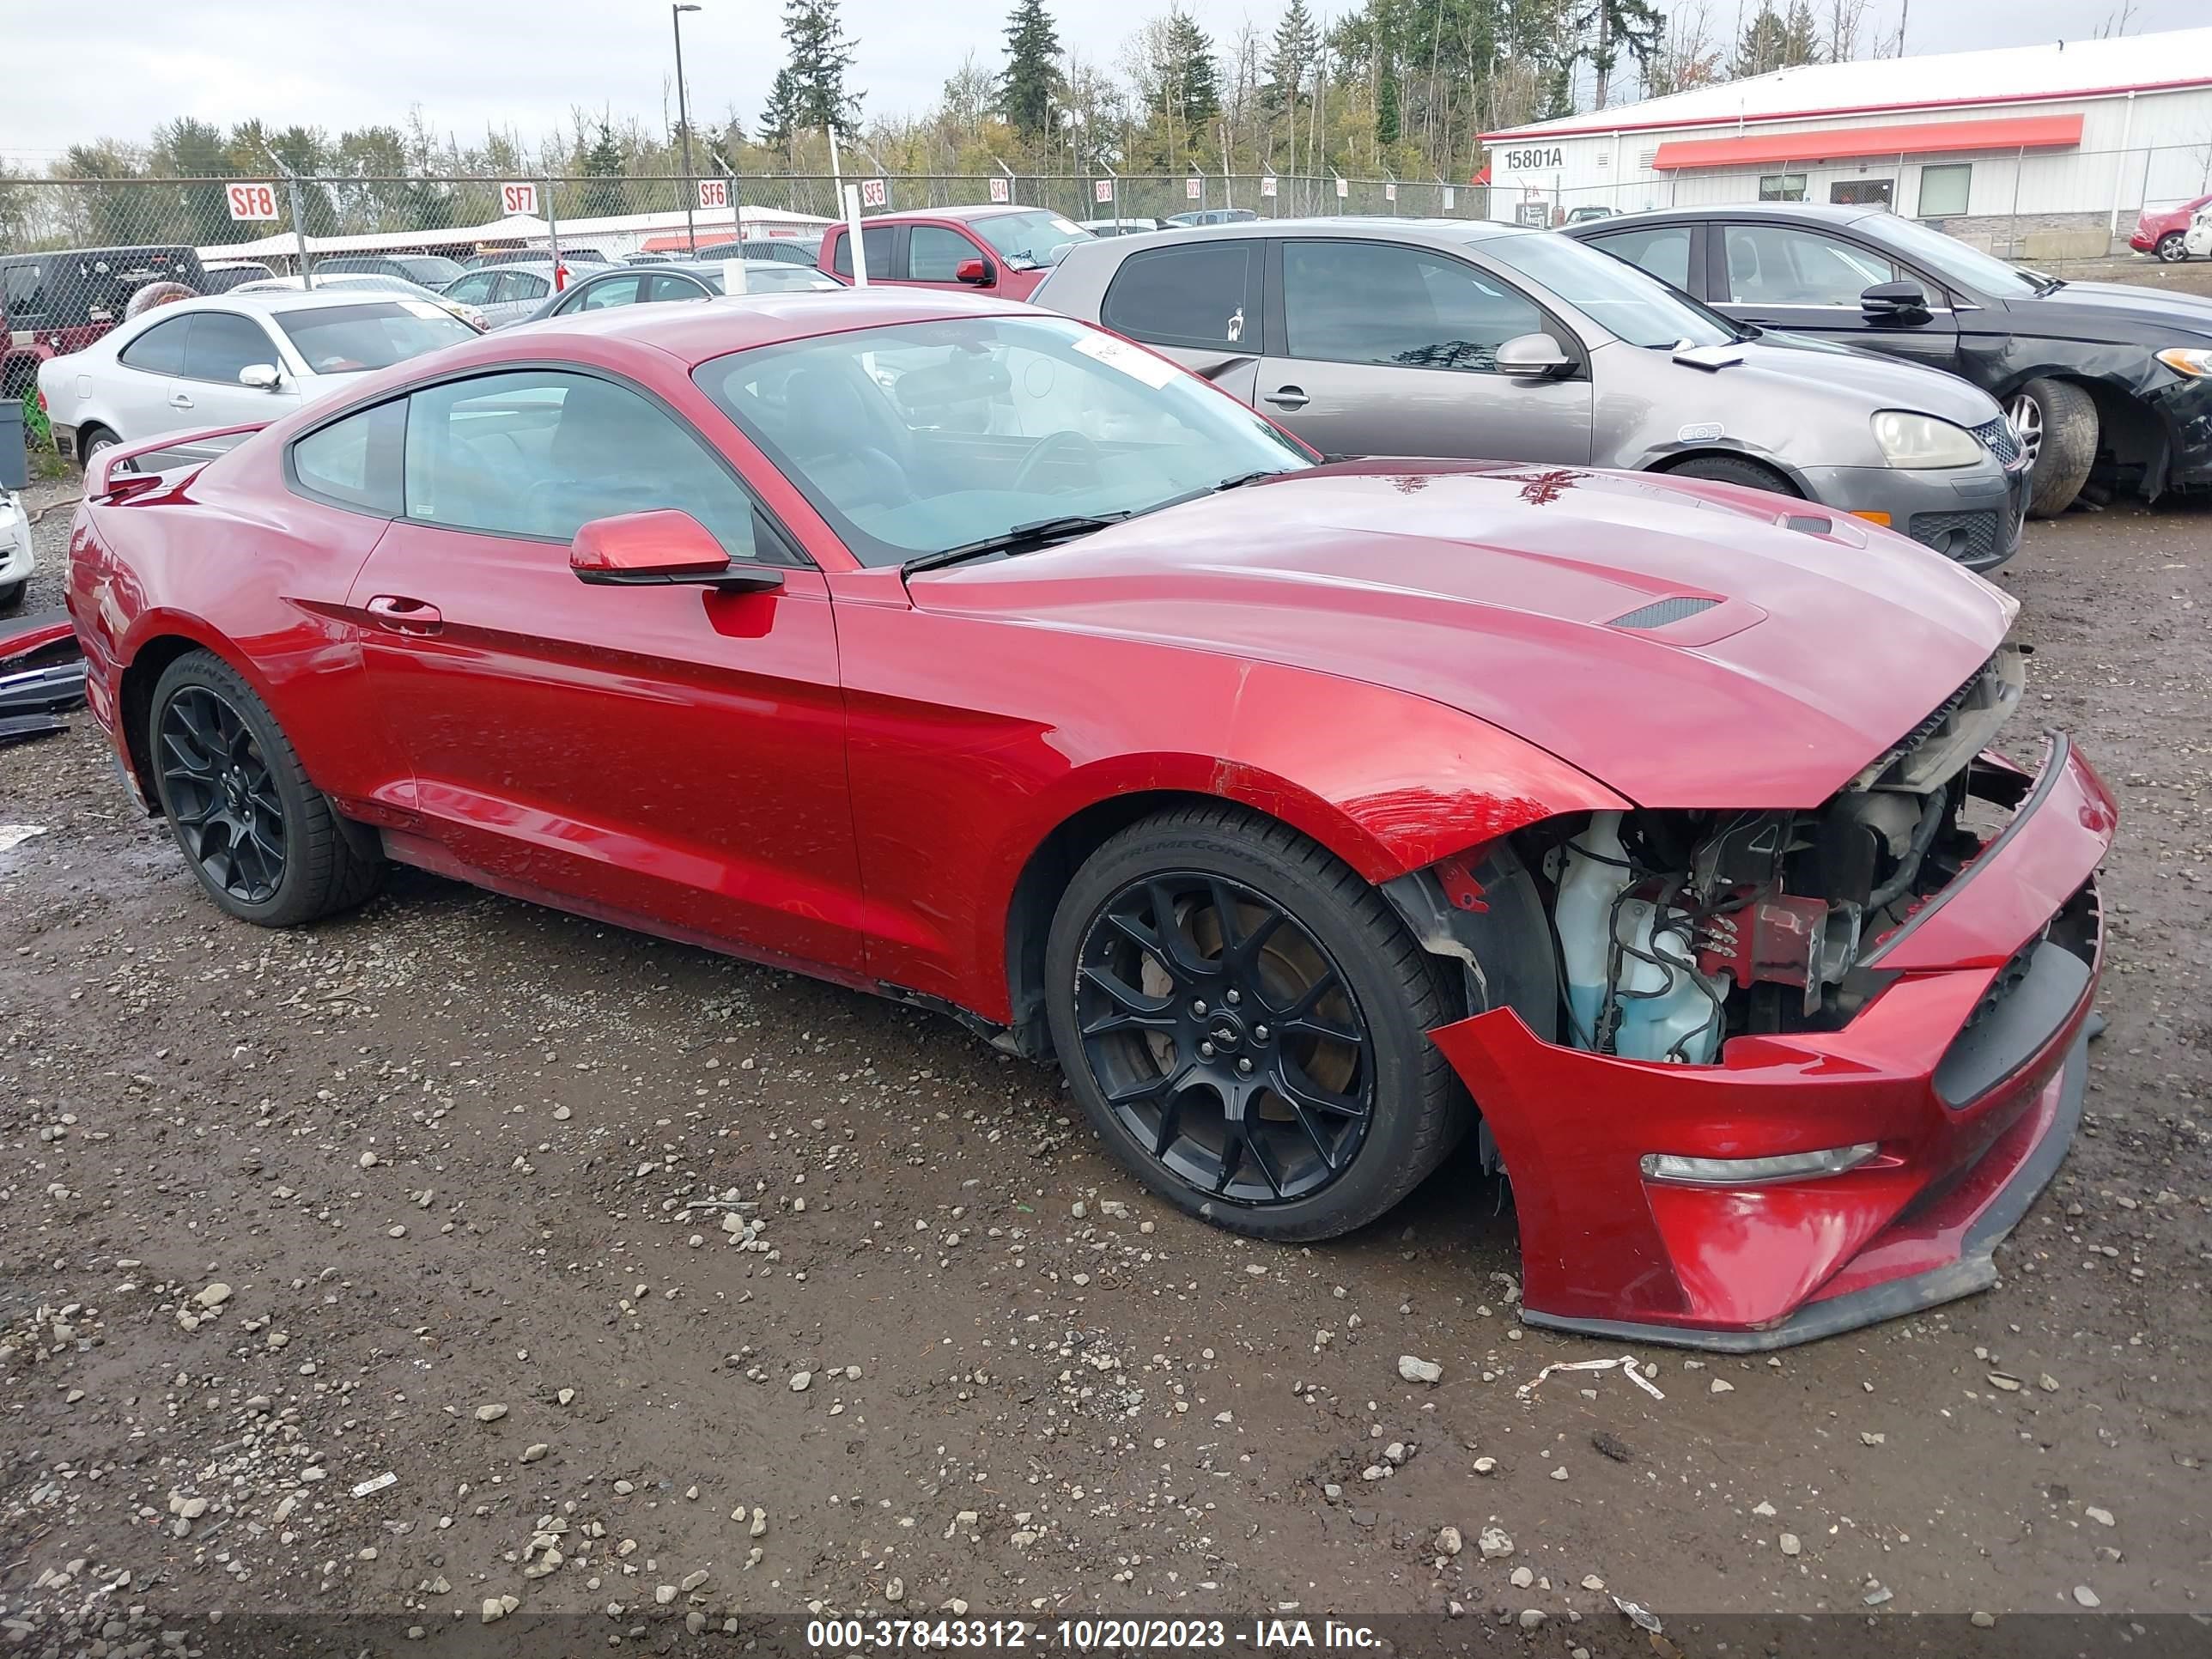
(524, 65)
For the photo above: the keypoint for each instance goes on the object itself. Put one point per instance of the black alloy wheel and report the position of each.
(222, 795)
(1224, 1038)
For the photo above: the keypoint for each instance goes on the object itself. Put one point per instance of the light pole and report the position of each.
(683, 127)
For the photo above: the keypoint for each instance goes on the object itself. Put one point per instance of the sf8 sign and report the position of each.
(250, 202)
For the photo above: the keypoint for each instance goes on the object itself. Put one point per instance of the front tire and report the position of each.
(2057, 421)
(1245, 1021)
(1729, 469)
(265, 842)
(2173, 248)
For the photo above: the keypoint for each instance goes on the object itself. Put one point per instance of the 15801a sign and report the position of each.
(1534, 156)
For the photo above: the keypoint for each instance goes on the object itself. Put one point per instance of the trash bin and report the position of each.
(14, 467)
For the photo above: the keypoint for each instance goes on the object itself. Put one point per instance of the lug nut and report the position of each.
(1198, 1008)
(1206, 1050)
(1244, 1067)
(1259, 1034)
(1234, 997)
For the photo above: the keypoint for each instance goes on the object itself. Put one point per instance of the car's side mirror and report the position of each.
(262, 377)
(1893, 299)
(659, 549)
(1530, 356)
(976, 271)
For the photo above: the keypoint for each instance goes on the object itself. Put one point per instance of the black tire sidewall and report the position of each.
(1393, 1143)
(1725, 469)
(2069, 448)
(290, 902)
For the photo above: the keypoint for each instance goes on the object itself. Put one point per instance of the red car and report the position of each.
(1311, 817)
(2165, 232)
(1005, 250)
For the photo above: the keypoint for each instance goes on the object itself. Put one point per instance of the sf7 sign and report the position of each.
(248, 203)
(521, 198)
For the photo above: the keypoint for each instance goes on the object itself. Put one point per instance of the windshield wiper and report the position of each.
(1022, 538)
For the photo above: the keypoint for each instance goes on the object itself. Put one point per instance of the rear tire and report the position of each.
(91, 440)
(1736, 470)
(2058, 420)
(11, 593)
(2173, 248)
(265, 843)
(1308, 1006)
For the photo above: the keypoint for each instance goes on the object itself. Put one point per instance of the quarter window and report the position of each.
(875, 248)
(541, 453)
(1404, 307)
(1779, 265)
(355, 462)
(1198, 293)
(160, 349)
(1944, 190)
(222, 343)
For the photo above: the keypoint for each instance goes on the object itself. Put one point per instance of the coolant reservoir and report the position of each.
(1670, 1009)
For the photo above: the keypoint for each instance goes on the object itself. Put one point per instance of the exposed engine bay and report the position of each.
(1675, 930)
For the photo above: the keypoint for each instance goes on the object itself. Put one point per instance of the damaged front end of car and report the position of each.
(1759, 1076)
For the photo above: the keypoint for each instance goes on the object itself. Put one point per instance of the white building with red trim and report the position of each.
(2065, 139)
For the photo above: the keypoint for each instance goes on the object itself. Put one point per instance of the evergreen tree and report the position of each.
(1296, 44)
(602, 164)
(779, 122)
(821, 53)
(1771, 41)
(1030, 86)
(1386, 106)
(1193, 85)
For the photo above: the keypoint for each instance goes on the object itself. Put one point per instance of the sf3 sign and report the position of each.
(515, 199)
(714, 193)
(250, 202)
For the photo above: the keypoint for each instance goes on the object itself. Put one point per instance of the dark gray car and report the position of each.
(1489, 342)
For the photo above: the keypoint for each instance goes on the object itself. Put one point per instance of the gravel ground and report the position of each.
(462, 1261)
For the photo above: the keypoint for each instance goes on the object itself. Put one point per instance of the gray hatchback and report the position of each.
(1444, 337)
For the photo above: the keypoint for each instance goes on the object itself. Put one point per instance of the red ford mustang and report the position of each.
(1310, 817)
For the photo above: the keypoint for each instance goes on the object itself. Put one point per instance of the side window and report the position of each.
(160, 349)
(1782, 266)
(875, 244)
(528, 285)
(22, 292)
(666, 285)
(1195, 294)
(540, 453)
(472, 289)
(355, 462)
(933, 254)
(615, 291)
(1664, 252)
(1376, 303)
(222, 343)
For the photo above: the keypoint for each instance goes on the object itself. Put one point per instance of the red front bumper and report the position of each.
(1971, 1123)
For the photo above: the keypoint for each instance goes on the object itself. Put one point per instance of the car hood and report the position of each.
(2079, 306)
(1863, 377)
(1672, 640)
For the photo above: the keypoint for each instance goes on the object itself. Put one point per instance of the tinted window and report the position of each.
(355, 461)
(21, 291)
(1197, 294)
(1665, 252)
(160, 349)
(1782, 265)
(615, 291)
(222, 343)
(875, 248)
(1376, 302)
(934, 254)
(340, 339)
(474, 289)
(664, 286)
(523, 285)
(541, 453)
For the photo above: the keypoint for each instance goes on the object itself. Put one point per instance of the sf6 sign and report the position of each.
(1531, 157)
(714, 193)
(250, 202)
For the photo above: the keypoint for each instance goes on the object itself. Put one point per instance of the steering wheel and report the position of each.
(1066, 439)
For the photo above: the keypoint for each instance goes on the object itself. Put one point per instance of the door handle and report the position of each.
(1286, 396)
(404, 615)
(178, 400)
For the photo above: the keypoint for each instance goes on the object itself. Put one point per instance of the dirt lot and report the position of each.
(749, 1297)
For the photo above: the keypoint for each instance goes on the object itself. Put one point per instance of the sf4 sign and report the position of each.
(250, 202)
(998, 190)
(521, 199)
(714, 193)
(872, 192)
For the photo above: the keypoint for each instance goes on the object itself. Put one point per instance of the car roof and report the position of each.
(969, 210)
(1816, 213)
(695, 334)
(272, 301)
(1435, 233)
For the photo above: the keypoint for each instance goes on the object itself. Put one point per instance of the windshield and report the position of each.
(1618, 297)
(768, 276)
(1949, 258)
(1031, 239)
(431, 270)
(345, 339)
(919, 437)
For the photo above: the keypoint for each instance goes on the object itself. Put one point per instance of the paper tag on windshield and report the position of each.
(1154, 372)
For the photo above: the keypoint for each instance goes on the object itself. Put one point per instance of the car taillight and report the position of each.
(42, 402)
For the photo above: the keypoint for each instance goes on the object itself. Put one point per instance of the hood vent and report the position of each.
(1661, 612)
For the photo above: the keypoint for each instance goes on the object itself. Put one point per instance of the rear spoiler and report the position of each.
(101, 483)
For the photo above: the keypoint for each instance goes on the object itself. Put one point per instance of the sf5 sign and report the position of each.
(521, 199)
(250, 202)
(872, 192)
